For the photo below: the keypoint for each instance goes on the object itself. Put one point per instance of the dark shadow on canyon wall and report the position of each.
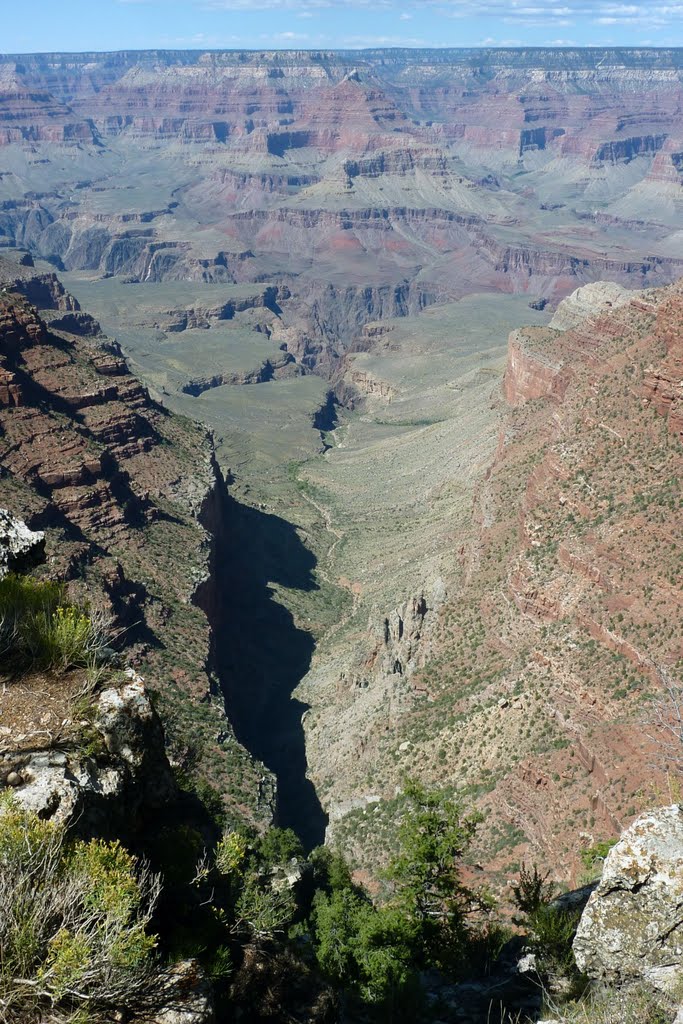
(261, 655)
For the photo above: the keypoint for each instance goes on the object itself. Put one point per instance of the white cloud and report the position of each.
(289, 37)
(552, 13)
(202, 40)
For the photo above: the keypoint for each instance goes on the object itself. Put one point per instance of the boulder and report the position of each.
(20, 548)
(133, 734)
(632, 927)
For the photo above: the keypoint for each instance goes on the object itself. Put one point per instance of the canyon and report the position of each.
(256, 378)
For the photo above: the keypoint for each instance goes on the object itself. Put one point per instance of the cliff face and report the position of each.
(584, 608)
(124, 492)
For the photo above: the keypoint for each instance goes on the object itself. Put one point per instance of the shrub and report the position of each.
(551, 927)
(532, 890)
(246, 898)
(21, 600)
(278, 846)
(369, 949)
(38, 625)
(262, 909)
(594, 857)
(425, 874)
(552, 933)
(73, 924)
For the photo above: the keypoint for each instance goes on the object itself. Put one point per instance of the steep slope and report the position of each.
(524, 687)
(128, 495)
(238, 220)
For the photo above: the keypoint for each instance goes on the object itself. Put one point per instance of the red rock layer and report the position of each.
(568, 617)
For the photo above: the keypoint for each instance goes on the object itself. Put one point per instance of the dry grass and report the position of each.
(635, 1004)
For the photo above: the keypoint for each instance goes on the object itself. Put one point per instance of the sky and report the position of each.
(30, 26)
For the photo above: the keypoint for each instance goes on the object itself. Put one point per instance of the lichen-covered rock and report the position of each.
(20, 548)
(632, 927)
(64, 785)
(132, 733)
(101, 781)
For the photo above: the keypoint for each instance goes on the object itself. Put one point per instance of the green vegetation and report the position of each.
(249, 899)
(73, 924)
(551, 927)
(594, 856)
(426, 917)
(425, 874)
(264, 921)
(40, 626)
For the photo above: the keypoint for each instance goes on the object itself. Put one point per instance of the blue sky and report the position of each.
(40, 25)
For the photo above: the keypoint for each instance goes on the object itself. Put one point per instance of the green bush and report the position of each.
(429, 918)
(247, 899)
(594, 856)
(359, 946)
(425, 875)
(532, 890)
(73, 924)
(552, 933)
(39, 626)
(551, 928)
(278, 846)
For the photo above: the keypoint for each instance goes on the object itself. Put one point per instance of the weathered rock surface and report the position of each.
(592, 300)
(20, 548)
(100, 778)
(632, 927)
(186, 996)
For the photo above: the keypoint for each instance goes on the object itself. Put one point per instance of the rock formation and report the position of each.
(20, 548)
(632, 927)
(104, 784)
(303, 196)
(369, 182)
(528, 693)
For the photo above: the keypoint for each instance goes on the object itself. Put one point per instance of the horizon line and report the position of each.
(591, 48)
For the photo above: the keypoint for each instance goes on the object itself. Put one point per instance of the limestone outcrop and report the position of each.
(592, 300)
(98, 774)
(632, 927)
(20, 548)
